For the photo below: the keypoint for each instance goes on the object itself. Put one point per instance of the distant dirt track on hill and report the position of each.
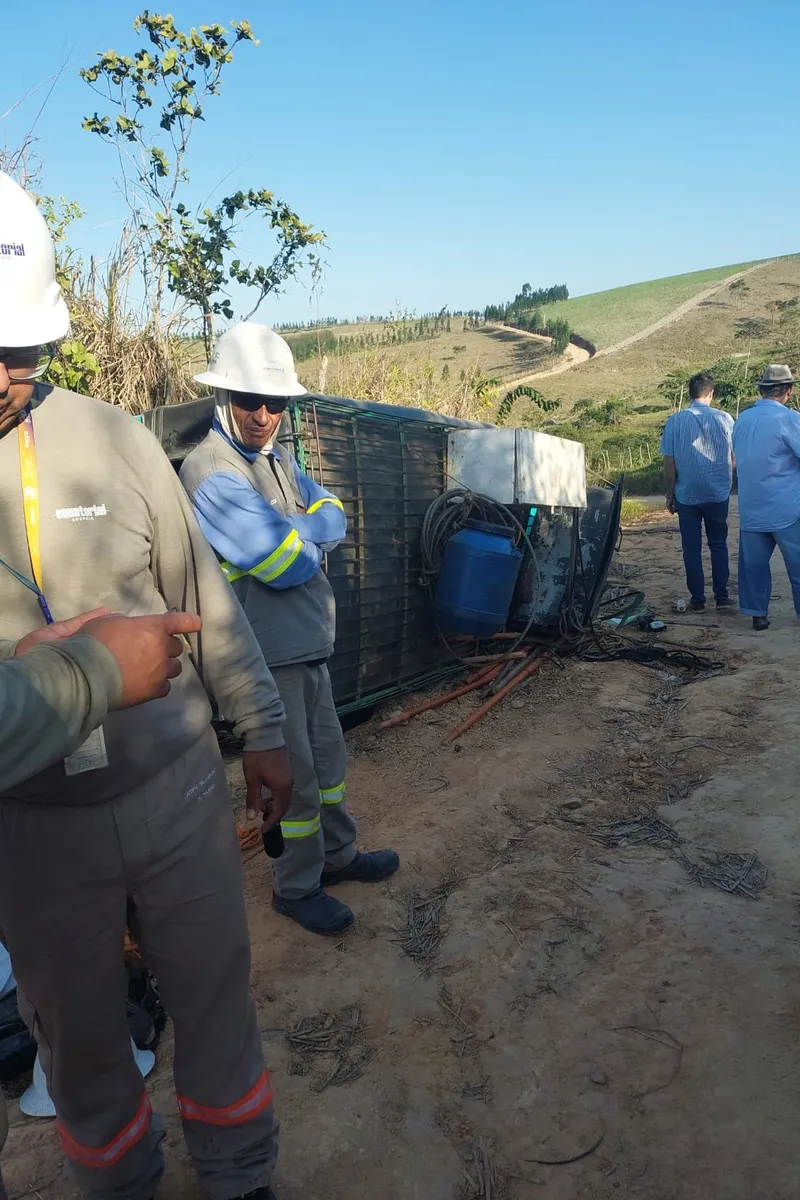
(571, 357)
(680, 311)
(574, 355)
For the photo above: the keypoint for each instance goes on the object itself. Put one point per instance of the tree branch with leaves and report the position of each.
(160, 92)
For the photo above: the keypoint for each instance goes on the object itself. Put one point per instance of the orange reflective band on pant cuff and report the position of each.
(103, 1157)
(251, 1105)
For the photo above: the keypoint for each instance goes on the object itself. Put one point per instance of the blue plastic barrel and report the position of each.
(477, 580)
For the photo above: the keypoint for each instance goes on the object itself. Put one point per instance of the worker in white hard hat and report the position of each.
(271, 525)
(135, 826)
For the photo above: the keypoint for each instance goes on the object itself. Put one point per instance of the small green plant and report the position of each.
(74, 368)
(633, 511)
(675, 388)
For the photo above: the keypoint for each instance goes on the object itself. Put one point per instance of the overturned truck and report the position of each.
(388, 464)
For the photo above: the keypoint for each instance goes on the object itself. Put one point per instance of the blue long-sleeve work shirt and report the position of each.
(270, 524)
(252, 534)
(766, 442)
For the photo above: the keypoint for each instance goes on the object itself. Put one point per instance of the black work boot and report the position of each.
(263, 1193)
(697, 605)
(369, 867)
(760, 623)
(317, 912)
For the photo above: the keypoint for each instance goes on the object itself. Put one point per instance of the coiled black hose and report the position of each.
(449, 513)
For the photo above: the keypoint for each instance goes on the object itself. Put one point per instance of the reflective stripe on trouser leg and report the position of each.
(101, 1158)
(301, 829)
(297, 872)
(332, 795)
(256, 1101)
(193, 935)
(330, 760)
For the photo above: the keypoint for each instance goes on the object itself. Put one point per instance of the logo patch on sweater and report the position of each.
(81, 512)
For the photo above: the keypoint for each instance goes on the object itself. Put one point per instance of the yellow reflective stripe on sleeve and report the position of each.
(271, 567)
(280, 560)
(231, 572)
(334, 795)
(325, 500)
(301, 829)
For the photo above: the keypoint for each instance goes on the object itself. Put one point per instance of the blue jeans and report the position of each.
(755, 578)
(691, 518)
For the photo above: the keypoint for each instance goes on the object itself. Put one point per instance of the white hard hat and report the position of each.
(32, 309)
(36, 1102)
(252, 358)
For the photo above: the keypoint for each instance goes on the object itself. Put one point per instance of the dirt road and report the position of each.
(679, 312)
(575, 355)
(570, 358)
(582, 995)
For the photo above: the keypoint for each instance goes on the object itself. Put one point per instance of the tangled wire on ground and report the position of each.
(582, 637)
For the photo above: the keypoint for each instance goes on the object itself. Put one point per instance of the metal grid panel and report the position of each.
(386, 471)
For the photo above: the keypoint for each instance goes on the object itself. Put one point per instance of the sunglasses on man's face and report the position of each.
(251, 404)
(23, 365)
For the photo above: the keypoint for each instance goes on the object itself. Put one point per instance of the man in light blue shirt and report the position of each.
(698, 469)
(766, 440)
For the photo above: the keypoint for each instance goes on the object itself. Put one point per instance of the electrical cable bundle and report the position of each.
(450, 513)
(583, 638)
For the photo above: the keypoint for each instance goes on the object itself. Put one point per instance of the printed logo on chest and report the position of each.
(81, 512)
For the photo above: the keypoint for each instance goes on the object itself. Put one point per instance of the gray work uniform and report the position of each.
(295, 628)
(50, 700)
(153, 828)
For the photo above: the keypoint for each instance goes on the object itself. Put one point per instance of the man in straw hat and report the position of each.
(766, 444)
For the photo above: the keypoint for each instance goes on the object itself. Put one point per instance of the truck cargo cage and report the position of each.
(386, 464)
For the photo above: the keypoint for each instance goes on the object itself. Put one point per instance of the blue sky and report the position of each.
(453, 151)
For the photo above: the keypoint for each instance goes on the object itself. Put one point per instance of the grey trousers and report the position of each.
(318, 830)
(66, 875)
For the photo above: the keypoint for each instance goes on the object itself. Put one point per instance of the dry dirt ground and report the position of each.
(586, 1003)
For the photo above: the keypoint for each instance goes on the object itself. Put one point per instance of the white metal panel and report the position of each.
(549, 470)
(518, 466)
(483, 460)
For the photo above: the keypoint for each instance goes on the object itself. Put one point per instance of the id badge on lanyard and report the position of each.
(91, 756)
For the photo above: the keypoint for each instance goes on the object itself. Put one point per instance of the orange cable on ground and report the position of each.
(490, 658)
(493, 700)
(484, 676)
(480, 673)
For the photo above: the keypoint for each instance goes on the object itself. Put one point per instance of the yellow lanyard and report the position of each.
(29, 476)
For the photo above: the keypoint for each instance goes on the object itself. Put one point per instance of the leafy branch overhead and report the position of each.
(159, 93)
